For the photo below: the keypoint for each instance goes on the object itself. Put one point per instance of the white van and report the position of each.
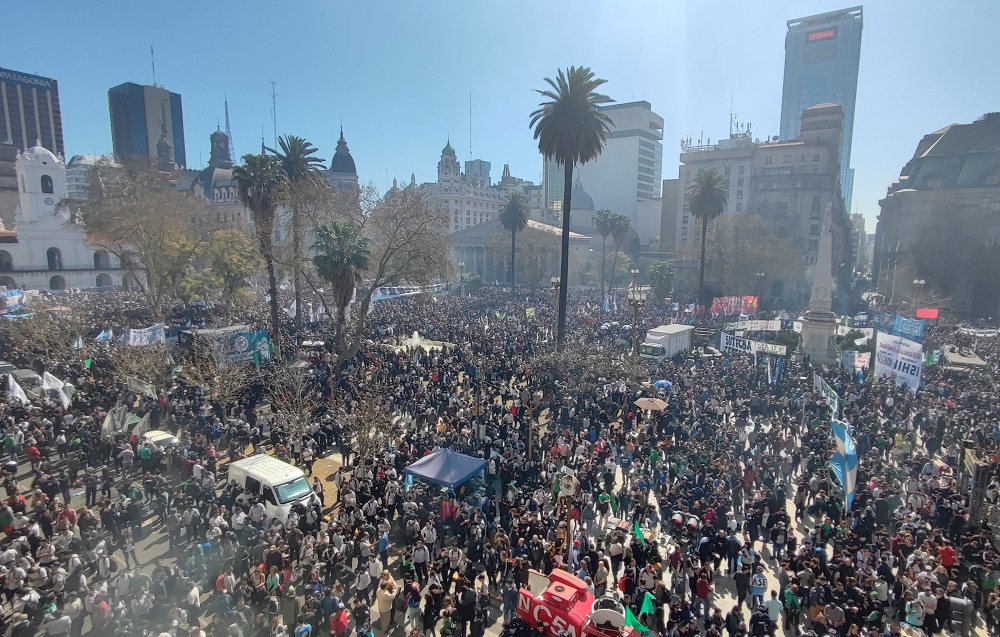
(281, 484)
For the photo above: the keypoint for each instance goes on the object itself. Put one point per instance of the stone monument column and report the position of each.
(819, 326)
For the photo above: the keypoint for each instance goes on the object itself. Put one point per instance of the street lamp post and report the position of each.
(555, 324)
(636, 298)
(760, 287)
(461, 278)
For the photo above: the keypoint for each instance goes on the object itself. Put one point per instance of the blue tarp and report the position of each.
(446, 468)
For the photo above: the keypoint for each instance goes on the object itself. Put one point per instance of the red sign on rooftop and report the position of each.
(826, 34)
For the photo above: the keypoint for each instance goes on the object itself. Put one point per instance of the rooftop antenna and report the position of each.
(263, 148)
(731, 116)
(274, 111)
(470, 125)
(152, 60)
(229, 131)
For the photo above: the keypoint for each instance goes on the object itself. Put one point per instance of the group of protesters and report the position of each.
(715, 514)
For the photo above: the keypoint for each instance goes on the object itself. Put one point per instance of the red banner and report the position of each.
(927, 313)
(734, 305)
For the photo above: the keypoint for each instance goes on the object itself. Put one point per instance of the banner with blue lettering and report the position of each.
(145, 337)
(899, 359)
(912, 329)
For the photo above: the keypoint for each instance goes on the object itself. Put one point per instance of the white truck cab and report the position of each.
(281, 484)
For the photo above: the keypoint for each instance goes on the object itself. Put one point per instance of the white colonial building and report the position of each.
(45, 250)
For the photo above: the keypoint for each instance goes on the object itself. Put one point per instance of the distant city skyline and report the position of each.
(399, 76)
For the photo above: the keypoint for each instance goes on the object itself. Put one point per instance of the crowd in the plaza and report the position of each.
(741, 528)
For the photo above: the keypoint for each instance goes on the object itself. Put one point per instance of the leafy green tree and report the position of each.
(341, 255)
(513, 219)
(706, 196)
(661, 279)
(233, 259)
(570, 129)
(602, 221)
(298, 160)
(260, 184)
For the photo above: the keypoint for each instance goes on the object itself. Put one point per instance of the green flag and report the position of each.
(633, 621)
(637, 532)
(87, 363)
(647, 605)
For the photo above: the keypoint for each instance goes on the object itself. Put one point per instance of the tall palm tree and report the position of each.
(514, 218)
(706, 197)
(571, 129)
(602, 221)
(260, 184)
(297, 160)
(620, 225)
(341, 255)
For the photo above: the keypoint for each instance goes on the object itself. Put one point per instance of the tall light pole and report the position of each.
(636, 298)
(918, 285)
(760, 287)
(461, 278)
(555, 323)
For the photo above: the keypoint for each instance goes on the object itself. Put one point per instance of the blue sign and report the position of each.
(912, 329)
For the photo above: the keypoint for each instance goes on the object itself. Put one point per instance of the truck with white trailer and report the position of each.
(666, 340)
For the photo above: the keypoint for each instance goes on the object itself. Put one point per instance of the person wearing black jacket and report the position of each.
(742, 582)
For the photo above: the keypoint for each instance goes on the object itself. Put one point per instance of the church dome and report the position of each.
(448, 150)
(41, 154)
(342, 161)
(580, 200)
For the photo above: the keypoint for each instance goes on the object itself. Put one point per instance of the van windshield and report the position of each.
(651, 350)
(292, 491)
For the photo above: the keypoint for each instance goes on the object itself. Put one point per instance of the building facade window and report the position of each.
(741, 170)
(768, 159)
(54, 258)
(47, 185)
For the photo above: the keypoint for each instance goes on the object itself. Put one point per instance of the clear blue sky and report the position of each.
(399, 73)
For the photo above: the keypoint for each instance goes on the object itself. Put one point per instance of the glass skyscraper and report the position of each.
(30, 111)
(822, 54)
(138, 116)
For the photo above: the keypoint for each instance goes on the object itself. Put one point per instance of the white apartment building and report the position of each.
(733, 159)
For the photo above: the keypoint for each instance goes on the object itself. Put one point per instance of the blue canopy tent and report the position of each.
(446, 468)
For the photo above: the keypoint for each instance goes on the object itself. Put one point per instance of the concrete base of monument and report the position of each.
(818, 341)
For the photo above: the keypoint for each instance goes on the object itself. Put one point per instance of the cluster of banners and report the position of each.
(755, 326)
(968, 331)
(12, 300)
(844, 461)
(775, 369)
(898, 325)
(730, 343)
(898, 358)
(120, 419)
(855, 361)
(733, 305)
(145, 337)
(829, 395)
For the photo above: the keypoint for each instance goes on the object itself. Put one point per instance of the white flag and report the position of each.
(14, 390)
(51, 382)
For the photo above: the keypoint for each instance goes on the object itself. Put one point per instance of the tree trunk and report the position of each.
(272, 290)
(604, 257)
(564, 266)
(614, 266)
(513, 243)
(701, 265)
(297, 260)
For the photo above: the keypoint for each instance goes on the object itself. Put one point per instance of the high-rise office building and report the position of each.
(822, 54)
(139, 117)
(30, 111)
(630, 168)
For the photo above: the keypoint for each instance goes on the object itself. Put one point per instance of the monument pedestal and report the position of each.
(818, 339)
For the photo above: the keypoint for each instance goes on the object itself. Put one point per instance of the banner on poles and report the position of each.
(730, 343)
(145, 337)
(912, 329)
(755, 326)
(855, 360)
(968, 331)
(829, 395)
(898, 358)
(733, 305)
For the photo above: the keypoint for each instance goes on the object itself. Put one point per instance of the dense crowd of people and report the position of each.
(741, 528)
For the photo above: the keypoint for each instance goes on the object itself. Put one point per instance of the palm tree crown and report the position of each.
(706, 197)
(514, 218)
(341, 256)
(571, 129)
(297, 157)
